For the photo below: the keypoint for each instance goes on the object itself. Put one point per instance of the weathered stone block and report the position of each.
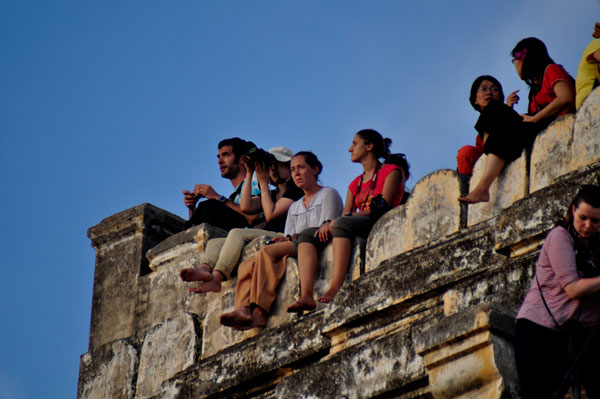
(257, 362)
(167, 350)
(512, 185)
(586, 133)
(401, 280)
(162, 296)
(109, 372)
(365, 370)
(379, 245)
(522, 227)
(470, 355)
(187, 245)
(431, 212)
(551, 154)
(121, 241)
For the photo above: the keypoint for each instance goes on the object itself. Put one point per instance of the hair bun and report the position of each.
(387, 142)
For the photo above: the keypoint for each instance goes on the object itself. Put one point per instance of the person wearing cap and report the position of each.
(222, 254)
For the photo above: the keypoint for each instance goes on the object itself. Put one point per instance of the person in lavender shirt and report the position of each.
(564, 296)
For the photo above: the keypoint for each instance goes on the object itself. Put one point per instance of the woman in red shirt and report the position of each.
(368, 146)
(551, 94)
(552, 89)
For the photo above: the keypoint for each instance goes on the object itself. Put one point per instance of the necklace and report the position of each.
(361, 206)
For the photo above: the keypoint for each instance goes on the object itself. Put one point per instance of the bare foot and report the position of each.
(475, 197)
(200, 273)
(329, 295)
(301, 305)
(259, 318)
(208, 286)
(238, 318)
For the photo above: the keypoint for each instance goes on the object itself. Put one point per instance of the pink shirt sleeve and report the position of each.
(562, 257)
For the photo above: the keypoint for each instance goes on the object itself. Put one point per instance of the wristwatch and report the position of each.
(223, 198)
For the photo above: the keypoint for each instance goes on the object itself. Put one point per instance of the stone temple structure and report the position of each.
(427, 310)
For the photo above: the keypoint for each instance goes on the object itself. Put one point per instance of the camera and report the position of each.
(259, 155)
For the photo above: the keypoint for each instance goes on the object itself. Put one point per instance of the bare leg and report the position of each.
(200, 273)
(214, 285)
(307, 267)
(238, 318)
(481, 192)
(342, 248)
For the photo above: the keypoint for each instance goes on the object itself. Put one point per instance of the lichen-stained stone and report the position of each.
(551, 154)
(512, 185)
(522, 227)
(167, 350)
(505, 284)
(256, 361)
(366, 370)
(121, 241)
(423, 271)
(586, 133)
(109, 372)
(431, 212)
(385, 239)
(162, 295)
(470, 355)
(215, 336)
(188, 244)
(218, 337)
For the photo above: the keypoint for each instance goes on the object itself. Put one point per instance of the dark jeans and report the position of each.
(543, 359)
(217, 214)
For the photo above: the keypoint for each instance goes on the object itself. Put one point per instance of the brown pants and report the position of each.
(259, 277)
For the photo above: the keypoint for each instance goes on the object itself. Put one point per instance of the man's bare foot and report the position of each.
(329, 295)
(208, 286)
(301, 305)
(475, 196)
(200, 273)
(238, 318)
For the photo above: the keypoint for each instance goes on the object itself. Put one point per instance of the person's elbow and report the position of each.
(245, 208)
(573, 290)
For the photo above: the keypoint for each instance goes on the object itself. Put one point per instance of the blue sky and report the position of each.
(106, 105)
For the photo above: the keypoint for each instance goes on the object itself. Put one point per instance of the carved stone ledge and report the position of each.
(188, 244)
(521, 228)
(470, 355)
